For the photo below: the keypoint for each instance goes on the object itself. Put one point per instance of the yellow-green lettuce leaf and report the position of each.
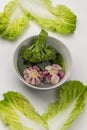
(70, 103)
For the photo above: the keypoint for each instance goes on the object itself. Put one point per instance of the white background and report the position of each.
(77, 44)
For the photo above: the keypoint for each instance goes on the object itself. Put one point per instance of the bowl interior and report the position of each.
(60, 47)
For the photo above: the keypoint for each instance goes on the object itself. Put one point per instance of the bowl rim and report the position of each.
(30, 85)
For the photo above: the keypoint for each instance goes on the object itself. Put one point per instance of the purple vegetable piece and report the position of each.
(55, 79)
(61, 74)
(33, 75)
(53, 73)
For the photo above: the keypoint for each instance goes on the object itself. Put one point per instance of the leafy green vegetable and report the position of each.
(38, 52)
(22, 64)
(10, 116)
(15, 28)
(3, 22)
(59, 60)
(14, 20)
(17, 14)
(5, 16)
(10, 7)
(13, 106)
(16, 126)
(58, 19)
(66, 109)
(67, 19)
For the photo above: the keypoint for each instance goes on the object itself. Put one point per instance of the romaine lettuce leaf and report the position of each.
(66, 109)
(15, 109)
(10, 7)
(10, 117)
(58, 19)
(67, 19)
(15, 28)
(5, 16)
(16, 126)
(17, 14)
(61, 11)
(4, 20)
(14, 20)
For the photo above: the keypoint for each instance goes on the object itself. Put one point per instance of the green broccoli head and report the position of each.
(38, 51)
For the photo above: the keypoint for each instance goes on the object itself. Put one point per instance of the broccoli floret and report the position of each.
(38, 51)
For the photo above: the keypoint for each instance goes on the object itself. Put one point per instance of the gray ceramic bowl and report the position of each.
(62, 49)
